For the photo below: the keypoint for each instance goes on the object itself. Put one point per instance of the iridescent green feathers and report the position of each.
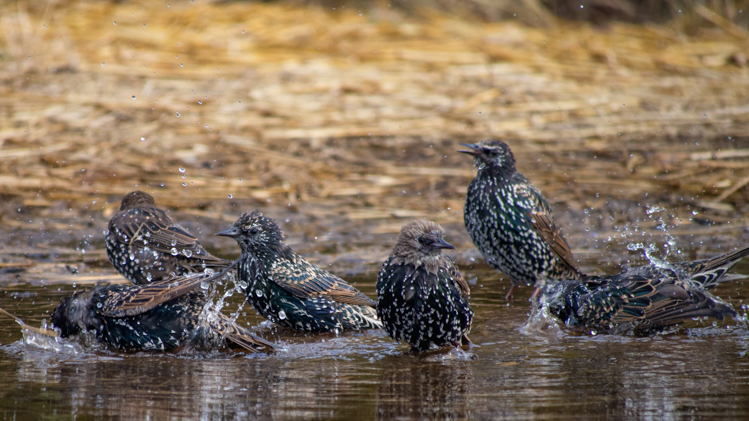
(286, 289)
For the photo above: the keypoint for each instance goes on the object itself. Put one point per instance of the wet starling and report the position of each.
(421, 297)
(644, 299)
(511, 223)
(118, 316)
(145, 245)
(287, 290)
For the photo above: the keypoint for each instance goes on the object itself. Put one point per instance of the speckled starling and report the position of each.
(421, 297)
(511, 223)
(289, 291)
(644, 299)
(118, 316)
(145, 245)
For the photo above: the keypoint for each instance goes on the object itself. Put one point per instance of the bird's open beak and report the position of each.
(231, 232)
(475, 149)
(442, 244)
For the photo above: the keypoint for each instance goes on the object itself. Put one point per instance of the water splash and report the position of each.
(656, 255)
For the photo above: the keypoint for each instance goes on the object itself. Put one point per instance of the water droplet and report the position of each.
(174, 251)
(231, 196)
(181, 169)
(259, 293)
(115, 22)
(282, 315)
(149, 277)
(132, 256)
(178, 116)
(133, 97)
(205, 285)
(103, 64)
(187, 253)
(200, 102)
(181, 65)
(243, 284)
(99, 305)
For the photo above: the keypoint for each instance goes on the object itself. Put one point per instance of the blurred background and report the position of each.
(342, 121)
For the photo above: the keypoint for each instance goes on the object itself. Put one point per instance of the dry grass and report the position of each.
(347, 125)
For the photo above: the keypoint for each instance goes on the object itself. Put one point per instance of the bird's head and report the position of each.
(420, 242)
(136, 199)
(253, 231)
(491, 153)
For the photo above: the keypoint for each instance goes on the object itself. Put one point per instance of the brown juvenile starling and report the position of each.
(421, 297)
(145, 317)
(287, 290)
(145, 245)
(511, 223)
(644, 299)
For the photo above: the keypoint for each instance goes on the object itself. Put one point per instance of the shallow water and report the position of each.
(510, 372)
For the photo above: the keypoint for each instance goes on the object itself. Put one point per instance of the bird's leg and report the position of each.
(508, 297)
(535, 294)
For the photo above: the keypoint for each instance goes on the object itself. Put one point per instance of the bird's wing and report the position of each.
(611, 303)
(142, 298)
(541, 220)
(455, 274)
(153, 228)
(302, 279)
(241, 336)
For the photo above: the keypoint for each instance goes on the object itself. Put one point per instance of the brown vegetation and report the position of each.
(346, 124)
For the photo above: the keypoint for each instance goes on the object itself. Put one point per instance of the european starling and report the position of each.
(644, 299)
(511, 223)
(145, 245)
(287, 290)
(118, 316)
(421, 297)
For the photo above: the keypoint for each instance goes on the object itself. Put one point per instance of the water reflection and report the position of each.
(418, 389)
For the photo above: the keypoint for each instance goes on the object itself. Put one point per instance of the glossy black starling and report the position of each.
(144, 317)
(287, 290)
(421, 297)
(145, 245)
(644, 299)
(511, 223)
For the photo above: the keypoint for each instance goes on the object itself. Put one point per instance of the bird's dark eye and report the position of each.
(254, 230)
(425, 241)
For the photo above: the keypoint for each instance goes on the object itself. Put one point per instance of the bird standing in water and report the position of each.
(287, 290)
(643, 299)
(148, 317)
(422, 299)
(511, 223)
(145, 245)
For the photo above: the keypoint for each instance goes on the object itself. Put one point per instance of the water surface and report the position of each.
(510, 372)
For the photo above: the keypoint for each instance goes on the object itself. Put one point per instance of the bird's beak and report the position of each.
(442, 244)
(475, 149)
(231, 232)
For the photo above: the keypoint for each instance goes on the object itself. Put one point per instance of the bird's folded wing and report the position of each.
(300, 278)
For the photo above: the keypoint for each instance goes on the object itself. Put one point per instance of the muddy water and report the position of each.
(699, 371)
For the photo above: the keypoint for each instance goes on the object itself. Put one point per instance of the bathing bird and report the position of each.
(145, 245)
(644, 299)
(422, 299)
(511, 223)
(289, 291)
(149, 317)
